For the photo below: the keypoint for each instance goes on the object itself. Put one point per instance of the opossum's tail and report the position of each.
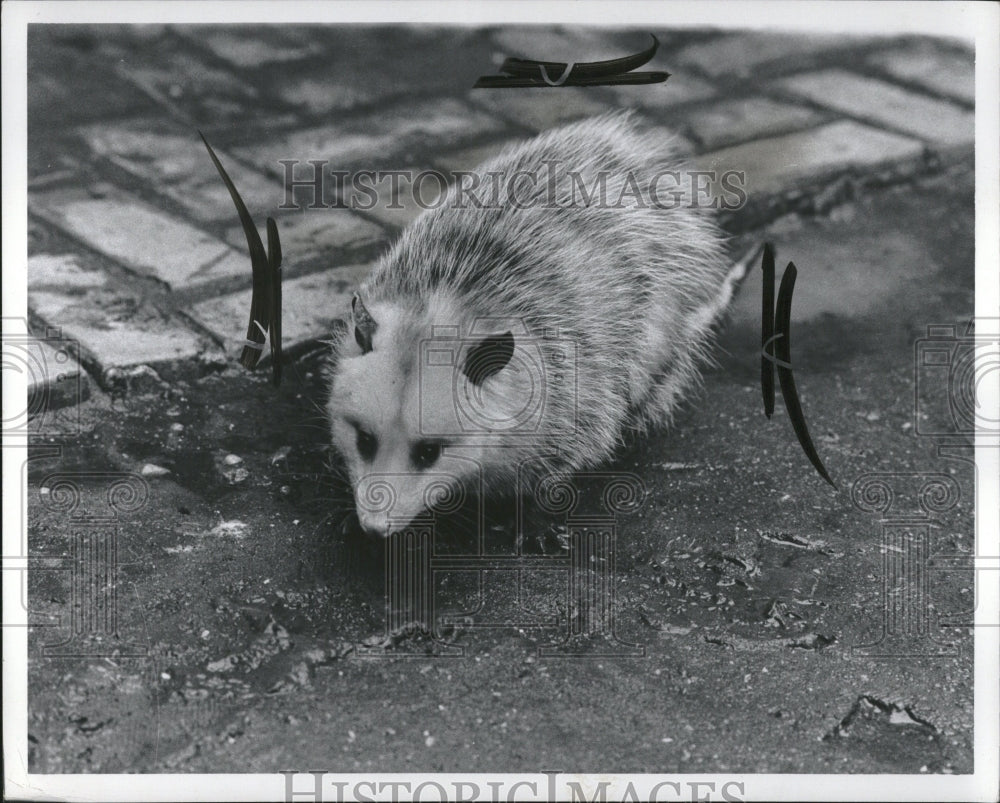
(737, 273)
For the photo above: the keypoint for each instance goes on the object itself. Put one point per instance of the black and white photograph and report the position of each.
(498, 401)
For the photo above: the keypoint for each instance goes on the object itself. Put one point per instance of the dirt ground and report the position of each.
(253, 633)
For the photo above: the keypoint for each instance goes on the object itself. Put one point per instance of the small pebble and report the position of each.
(234, 528)
(153, 470)
(239, 475)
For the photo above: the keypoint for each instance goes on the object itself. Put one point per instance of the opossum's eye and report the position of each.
(366, 442)
(425, 454)
(364, 324)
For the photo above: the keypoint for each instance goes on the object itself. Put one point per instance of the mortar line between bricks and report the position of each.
(835, 57)
(812, 126)
(201, 329)
(208, 55)
(363, 110)
(87, 358)
(873, 73)
(171, 309)
(306, 120)
(43, 215)
(518, 128)
(913, 87)
(173, 111)
(934, 148)
(784, 204)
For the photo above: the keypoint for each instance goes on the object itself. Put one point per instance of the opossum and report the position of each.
(534, 331)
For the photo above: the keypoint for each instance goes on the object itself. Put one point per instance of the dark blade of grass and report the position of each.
(628, 79)
(767, 331)
(783, 353)
(260, 301)
(274, 263)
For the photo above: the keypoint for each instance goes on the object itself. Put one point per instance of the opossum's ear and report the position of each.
(364, 324)
(488, 357)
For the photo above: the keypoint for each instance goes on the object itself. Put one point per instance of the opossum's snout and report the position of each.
(386, 503)
(375, 499)
(373, 525)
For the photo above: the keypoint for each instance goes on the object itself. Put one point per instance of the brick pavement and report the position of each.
(138, 255)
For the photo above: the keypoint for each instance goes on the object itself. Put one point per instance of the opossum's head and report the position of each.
(395, 407)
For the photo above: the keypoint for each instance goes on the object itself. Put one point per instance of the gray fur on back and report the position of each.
(636, 289)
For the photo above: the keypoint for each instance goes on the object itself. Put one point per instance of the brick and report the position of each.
(780, 163)
(728, 122)
(177, 165)
(141, 237)
(309, 236)
(351, 73)
(117, 328)
(370, 139)
(539, 109)
(933, 120)
(740, 55)
(68, 85)
(322, 95)
(181, 79)
(251, 46)
(926, 65)
(311, 307)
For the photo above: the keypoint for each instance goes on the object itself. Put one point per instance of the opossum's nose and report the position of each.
(373, 525)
